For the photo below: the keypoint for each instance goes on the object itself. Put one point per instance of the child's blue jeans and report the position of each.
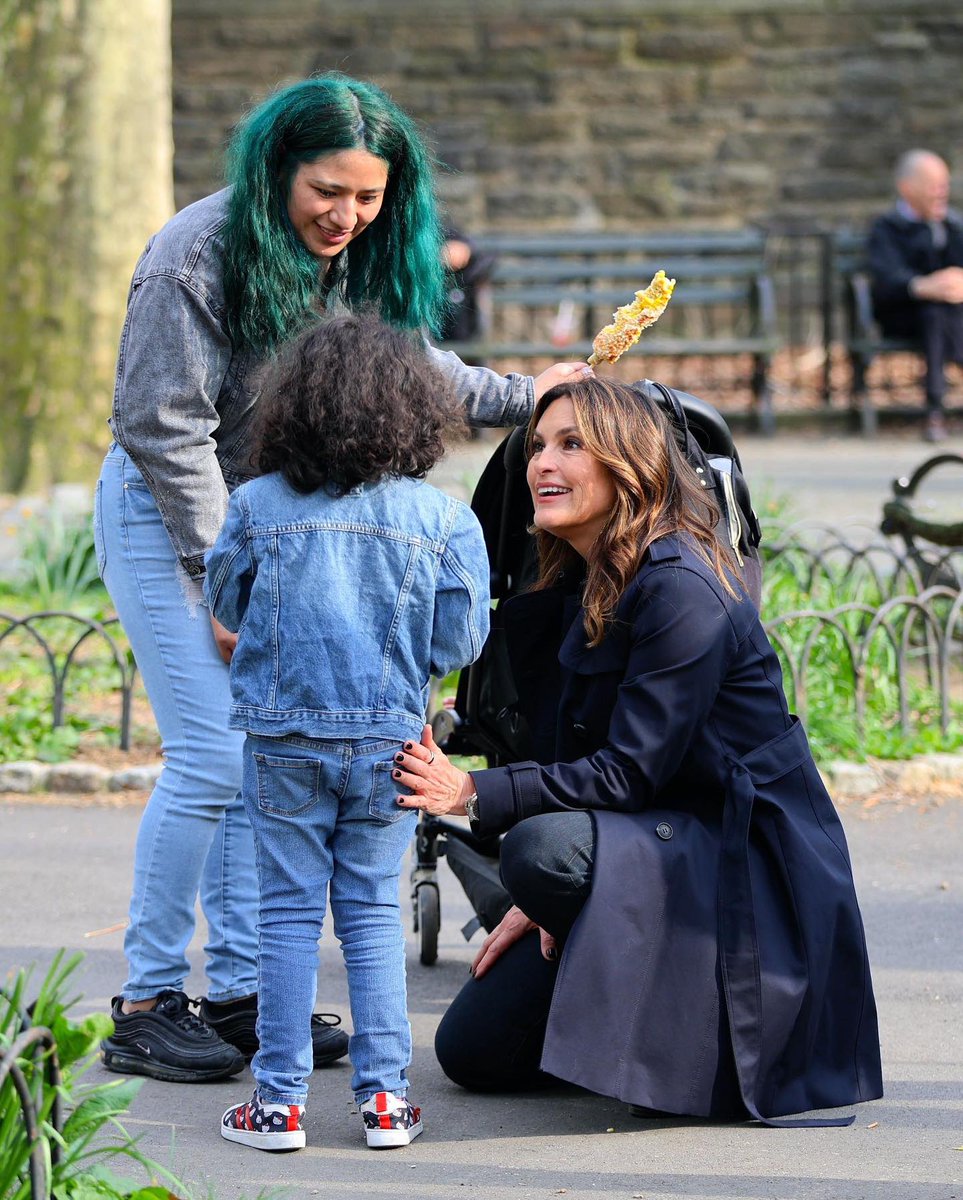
(324, 816)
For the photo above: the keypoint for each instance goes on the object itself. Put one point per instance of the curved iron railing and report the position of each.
(61, 657)
(814, 551)
(905, 597)
(922, 636)
(24, 1049)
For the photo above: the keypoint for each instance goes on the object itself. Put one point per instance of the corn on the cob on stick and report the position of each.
(629, 320)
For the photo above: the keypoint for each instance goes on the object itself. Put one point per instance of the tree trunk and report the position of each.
(85, 178)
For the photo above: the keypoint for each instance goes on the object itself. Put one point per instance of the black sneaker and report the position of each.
(168, 1042)
(236, 1022)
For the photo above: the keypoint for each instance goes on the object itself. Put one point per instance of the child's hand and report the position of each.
(439, 787)
(226, 641)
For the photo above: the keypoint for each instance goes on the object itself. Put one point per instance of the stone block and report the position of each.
(913, 776)
(690, 45)
(911, 41)
(135, 779)
(23, 776)
(77, 777)
(531, 204)
(853, 779)
(946, 768)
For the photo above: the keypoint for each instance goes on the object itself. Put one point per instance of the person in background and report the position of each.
(468, 271)
(915, 255)
(330, 205)
(349, 582)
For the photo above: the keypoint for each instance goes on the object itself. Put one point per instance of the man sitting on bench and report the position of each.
(916, 262)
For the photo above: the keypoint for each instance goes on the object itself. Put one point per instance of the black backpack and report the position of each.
(485, 720)
(705, 439)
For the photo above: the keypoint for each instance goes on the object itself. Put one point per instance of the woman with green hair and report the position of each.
(330, 204)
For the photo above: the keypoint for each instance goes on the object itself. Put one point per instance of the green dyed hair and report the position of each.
(273, 285)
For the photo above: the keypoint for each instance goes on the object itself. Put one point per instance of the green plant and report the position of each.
(26, 732)
(830, 680)
(90, 1135)
(59, 561)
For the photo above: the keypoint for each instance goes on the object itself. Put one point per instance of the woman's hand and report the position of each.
(566, 372)
(511, 929)
(226, 641)
(439, 787)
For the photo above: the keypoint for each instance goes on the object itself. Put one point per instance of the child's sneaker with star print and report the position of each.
(264, 1126)
(390, 1120)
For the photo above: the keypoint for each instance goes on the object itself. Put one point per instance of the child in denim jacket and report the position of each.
(349, 581)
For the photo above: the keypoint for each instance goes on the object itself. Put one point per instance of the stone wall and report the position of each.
(618, 115)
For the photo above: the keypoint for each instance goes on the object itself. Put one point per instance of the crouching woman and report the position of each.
(686, 935)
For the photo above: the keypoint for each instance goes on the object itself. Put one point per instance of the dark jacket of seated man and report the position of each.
(901, 248)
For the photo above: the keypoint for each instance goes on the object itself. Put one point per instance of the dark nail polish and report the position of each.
(399, 800)
(471, 970)
(395, 774)
(407, 745)
(551, 954)
(399, 758)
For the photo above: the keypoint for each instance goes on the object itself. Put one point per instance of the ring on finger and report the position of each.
(431, 758)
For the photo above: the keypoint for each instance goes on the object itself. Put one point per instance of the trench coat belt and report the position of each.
(739, 950)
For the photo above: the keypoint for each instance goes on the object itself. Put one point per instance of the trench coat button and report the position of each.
(664, 830)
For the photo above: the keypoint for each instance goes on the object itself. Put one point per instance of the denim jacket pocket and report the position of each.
(382, 803)
(286, 786)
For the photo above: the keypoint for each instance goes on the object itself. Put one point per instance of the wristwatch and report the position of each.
(471, 807)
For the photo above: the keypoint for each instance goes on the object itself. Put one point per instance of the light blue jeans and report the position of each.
(324, 817)
(194, 834)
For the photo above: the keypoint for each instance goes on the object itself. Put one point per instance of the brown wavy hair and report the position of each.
(657, 492)
(350, 401)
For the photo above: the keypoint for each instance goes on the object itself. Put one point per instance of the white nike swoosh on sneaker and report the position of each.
(141, 1046)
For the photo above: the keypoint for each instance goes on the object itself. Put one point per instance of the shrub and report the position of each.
(78, 1131)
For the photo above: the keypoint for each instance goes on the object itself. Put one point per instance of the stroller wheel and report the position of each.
(428, 921)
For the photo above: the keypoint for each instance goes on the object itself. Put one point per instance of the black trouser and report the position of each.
(491, 1037)
(940, 328)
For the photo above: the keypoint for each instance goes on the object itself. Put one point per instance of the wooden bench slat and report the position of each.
(747, 241)
(641, 271)
(651, 347)
(547, 297)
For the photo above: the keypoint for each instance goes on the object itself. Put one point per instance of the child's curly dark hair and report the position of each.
(350, 401)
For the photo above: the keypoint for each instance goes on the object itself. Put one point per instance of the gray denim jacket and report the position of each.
(184, 397)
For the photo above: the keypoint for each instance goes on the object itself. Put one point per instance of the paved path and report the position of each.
(65, 872)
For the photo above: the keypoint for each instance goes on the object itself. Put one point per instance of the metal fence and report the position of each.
(59, 650)
(901, 623)
(903, 617)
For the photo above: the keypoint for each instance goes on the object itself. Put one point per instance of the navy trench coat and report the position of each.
(719, 965)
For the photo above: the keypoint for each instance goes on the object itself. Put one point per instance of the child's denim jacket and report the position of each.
(345, 605)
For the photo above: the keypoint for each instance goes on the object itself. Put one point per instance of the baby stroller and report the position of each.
(485, 720)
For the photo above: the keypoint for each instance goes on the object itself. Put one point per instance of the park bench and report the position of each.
(550, 294)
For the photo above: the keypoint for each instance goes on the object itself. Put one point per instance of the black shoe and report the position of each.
(935, 428)
(236, 1022)
(168, 1042)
